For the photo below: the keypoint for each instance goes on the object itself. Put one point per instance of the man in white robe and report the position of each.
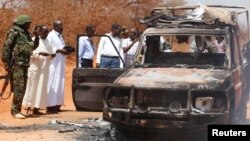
(57, 69)
(38, 74)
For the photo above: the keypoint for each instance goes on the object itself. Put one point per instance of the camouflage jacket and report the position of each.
(17, 46)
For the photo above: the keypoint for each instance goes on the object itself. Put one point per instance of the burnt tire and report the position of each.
(231, 119)
(239, 115)
(115, 135)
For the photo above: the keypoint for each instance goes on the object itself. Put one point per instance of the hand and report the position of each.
(135, 40)
(44, 53)
(53, 55)
(97, 65)
(62, 51)
(69, 49)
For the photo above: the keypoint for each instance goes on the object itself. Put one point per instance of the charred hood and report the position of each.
(175, 78)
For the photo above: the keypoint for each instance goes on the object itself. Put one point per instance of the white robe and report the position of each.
(38, 73)
(57, 69)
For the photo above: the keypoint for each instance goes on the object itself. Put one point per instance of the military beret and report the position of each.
(22, 19)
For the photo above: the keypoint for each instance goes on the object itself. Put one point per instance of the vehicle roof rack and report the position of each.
(165, 16)
(164, 9)
(162, 20)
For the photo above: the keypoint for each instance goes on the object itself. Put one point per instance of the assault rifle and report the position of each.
(7, 80)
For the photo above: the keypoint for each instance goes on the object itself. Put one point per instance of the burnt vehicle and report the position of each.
(181, 77)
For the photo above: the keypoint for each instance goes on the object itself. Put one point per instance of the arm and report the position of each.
(55, 50)
(8, 46)
(126, 49)
(99, 51)
(80, 51)
(50, 40)
(121, 52)
(62, 51)
(36, 54)
(44, 53)
(36, 41)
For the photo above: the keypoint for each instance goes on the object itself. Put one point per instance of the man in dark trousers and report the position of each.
(86, 50)
(108, 53)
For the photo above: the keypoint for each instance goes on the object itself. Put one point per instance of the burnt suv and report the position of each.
(186, 73)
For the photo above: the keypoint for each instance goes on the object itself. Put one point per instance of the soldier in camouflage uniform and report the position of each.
(16, 53)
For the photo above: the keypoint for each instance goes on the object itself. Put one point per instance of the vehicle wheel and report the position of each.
(239, 116)
(115, 135)
(231, 111)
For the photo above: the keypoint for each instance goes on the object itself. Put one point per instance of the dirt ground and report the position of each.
(39, 128)
(68, 114)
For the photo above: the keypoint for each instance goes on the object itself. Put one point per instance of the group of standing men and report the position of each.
(37, 65)
(109, 54)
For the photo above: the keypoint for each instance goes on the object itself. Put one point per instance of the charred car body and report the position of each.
(181, 77)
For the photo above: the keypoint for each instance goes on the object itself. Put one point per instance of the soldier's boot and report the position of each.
(19, 116)
(16, 114)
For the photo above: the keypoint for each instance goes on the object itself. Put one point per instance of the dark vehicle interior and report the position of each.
(185, 51)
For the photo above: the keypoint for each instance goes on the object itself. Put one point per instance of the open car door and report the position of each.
(88, 83)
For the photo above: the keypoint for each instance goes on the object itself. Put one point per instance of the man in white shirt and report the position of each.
(107, 55)
(57, 69)
(86, 48)
(130, 46)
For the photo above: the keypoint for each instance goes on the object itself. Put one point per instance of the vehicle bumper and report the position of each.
(155, 121)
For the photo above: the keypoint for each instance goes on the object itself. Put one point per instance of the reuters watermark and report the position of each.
(241, 132)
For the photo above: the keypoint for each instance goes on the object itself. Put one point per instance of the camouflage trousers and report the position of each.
(19, 85)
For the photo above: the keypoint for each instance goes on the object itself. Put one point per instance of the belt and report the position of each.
(115, 57)
(86, 59)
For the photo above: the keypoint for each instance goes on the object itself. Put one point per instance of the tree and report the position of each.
(77, 13)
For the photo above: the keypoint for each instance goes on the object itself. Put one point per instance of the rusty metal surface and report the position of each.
(162, 124)
(175, 78)
(156, 114)
(87, 95)
(186, 31)
(196, 6)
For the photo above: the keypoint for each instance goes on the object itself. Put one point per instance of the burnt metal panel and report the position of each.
(185, 31)
(175, 78)
(88, 86)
